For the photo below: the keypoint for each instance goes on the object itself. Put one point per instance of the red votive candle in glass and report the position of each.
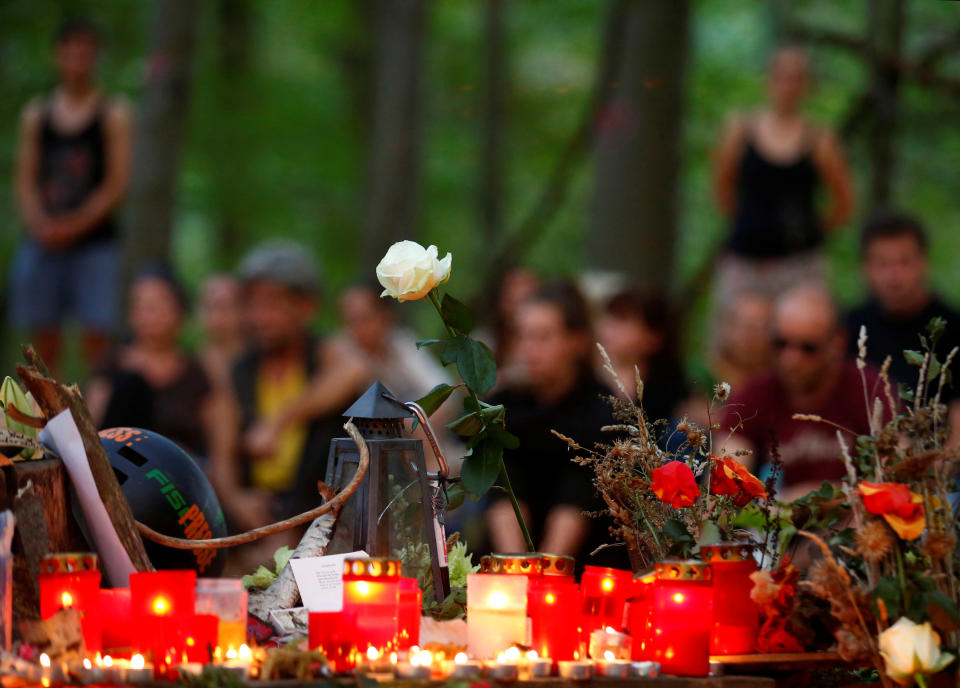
(371, 592)
(200, 637)
(72, 581)
(117, 626)
(159, 602)
(640, 616)
(735, 615)
(553, 604)
(333, 637)
(603, 593)
(683, 617)
(409, 611)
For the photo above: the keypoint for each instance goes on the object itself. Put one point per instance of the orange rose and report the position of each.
(675, 484)
(899, 507)
(731, 478)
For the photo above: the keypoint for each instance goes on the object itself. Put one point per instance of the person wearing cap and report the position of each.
(288, 390)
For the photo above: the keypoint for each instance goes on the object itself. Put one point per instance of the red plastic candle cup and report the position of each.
(156, 597)
(79, 590)
(410, 607)
(332, 633)
(683, 617)
(371, 593)
(735, 615)
(639, 616)
(200, 637)
(117, 626)
(603, 594)
(553, 604)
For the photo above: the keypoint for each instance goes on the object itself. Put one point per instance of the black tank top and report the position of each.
(72, 166)
(776, 214)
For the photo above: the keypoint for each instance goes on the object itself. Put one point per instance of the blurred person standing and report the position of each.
(152, 382)
(638, 331)
(812, 374)
(223, 335)
(768, 169)
(893, 254)
(555, 343)
(288, 391)
(72, 170)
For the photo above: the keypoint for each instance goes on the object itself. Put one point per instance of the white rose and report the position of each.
(409, 271)
(909, 649)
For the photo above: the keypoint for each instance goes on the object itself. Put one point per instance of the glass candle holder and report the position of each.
(683, 617)
(640, 616)
(553, 603)
(226, 599)
(608, 644)
(159, 603)
(79, 590)
(496, 613)
(603, 593)
(329, 634)
(371, 591)
(117, 625)
(409, 611)
(735, 615)
(201, 637)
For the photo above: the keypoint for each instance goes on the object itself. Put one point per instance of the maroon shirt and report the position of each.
(809, 450)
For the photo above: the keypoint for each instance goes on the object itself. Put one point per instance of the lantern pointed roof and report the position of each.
(375, 404)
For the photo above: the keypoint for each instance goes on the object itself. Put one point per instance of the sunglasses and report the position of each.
(805, 346)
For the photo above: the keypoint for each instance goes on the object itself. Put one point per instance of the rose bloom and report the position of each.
(409, 271)
(899, 507)
(675, 484)
(909, 649)
(730, 477)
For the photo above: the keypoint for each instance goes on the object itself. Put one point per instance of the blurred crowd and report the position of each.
(258, 400)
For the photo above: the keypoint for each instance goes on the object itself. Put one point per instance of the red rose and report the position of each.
(731, 478)
(674, 484)
(900, 508)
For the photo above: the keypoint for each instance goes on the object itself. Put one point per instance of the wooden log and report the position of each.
(53, 398)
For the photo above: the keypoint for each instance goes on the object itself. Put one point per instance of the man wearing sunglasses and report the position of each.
(812, 374)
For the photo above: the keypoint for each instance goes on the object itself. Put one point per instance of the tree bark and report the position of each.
(885, 34)
(394, 147)
(491, 125)
(159, 135)
(637, 155)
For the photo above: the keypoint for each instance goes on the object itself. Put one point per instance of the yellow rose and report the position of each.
(409, 271)
(909, 649)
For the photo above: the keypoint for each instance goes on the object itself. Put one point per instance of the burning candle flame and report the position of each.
(373, 654)
(460, 658)
(607, 584)
(160, 606)
(45, 660)
(512, 653)
(609, 656)
(678, 597)
(136, 662)
(108, 661)
(393, 657)
(497, 600)
(66, 600)
(87, 664)
(610, 629)
(244, 652)
(550, 598)
(363, 587)
(231, 654)
(532, 655)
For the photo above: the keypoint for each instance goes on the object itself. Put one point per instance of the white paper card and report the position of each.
(62, 436)
(320, 580)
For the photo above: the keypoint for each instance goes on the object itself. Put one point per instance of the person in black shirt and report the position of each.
(893, 250)
(554, 343)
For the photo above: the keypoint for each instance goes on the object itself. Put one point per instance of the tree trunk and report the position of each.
(637, 164)
(159, 134)
(491, 124)
(885, 35)
(394, 145)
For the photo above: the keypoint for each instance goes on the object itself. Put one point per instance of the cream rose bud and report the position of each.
(409, 271)
(909, 648)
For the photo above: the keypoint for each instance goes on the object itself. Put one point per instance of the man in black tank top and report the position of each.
(72, 169)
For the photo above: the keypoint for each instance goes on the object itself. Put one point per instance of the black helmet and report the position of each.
(168, 492)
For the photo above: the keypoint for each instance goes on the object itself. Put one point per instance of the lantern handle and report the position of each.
(424, 420)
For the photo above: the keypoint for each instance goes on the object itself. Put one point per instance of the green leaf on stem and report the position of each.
(942, 611)
(477, 367)
(888, 590)
(935, 329)
(430, 342)
(480, 470)
(709, 534)
(455, 495)
(504, 437)
(456, 314)
(914, 358)
(676, 531)
(467, 425)
(434, 399)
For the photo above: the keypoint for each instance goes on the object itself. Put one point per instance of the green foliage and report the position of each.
(263, 577)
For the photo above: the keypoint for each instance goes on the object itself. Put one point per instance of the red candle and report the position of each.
(735, 615)
(603, 593)
(553, 606)
(331, 635)
(683, 617)
(640, 617)
(200, 637)
(117, 626)
(159, 603)
(408, 614)
(79, 590)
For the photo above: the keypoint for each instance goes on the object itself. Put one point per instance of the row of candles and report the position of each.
(165, 620)
(677, 616)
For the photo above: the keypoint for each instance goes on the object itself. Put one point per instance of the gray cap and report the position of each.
(285, 262)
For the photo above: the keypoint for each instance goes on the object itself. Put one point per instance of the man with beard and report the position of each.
(813, 375)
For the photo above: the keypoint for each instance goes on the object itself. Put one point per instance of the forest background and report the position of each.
(282, 118)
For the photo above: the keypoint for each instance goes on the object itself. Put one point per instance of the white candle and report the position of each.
(575, 670)
(497, 613)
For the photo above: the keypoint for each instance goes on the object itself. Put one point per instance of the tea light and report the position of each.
(539, 667)
(608, 640)
(239, 661)
(92, 674)
(464, 668)
(611, 667)
(506, 668)
(497, 615)
(417, 666)
(575, 670)
(645, 670)
(137, 670)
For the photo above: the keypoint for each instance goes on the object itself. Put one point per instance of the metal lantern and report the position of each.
(396, 486)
